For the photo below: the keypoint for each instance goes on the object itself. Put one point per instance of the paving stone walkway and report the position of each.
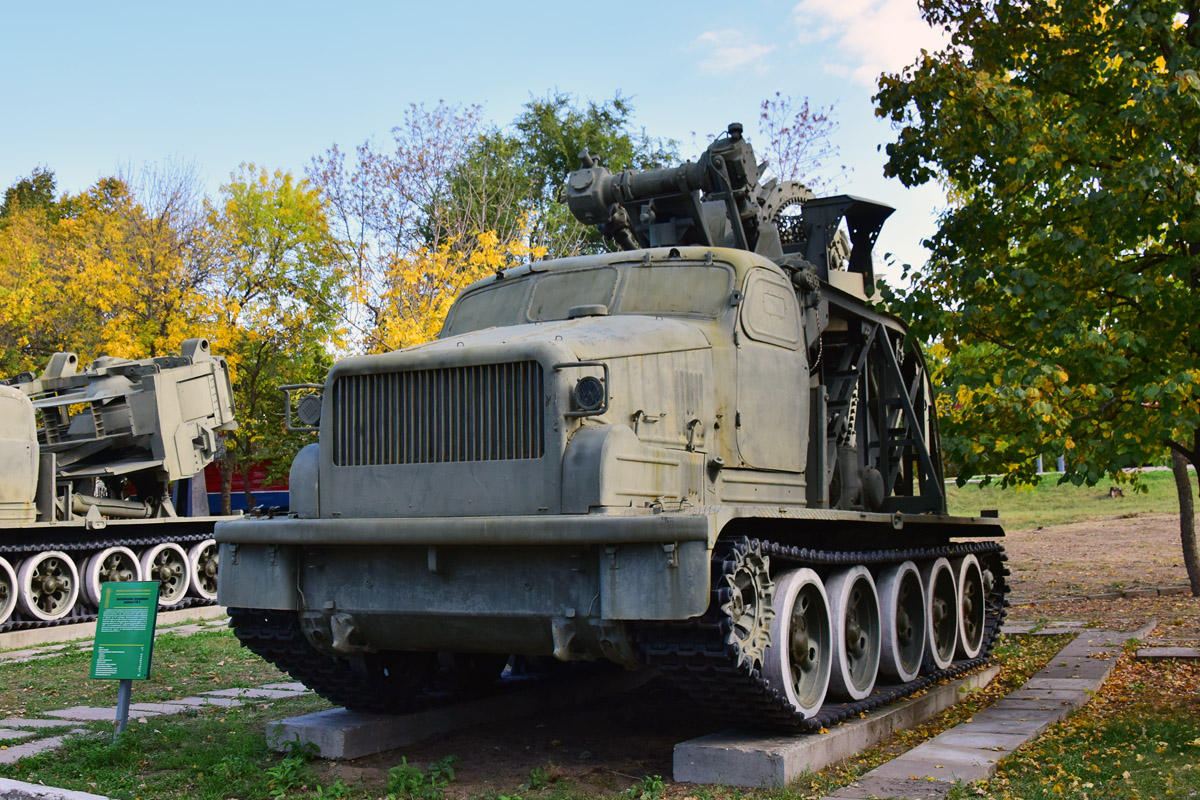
(971, 751)
(48, 730)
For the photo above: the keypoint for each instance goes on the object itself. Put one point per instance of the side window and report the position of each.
(769, 311)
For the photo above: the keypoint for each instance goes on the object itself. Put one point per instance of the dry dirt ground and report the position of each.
(1101, 557)
(612, 743)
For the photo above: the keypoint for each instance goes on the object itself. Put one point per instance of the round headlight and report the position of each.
(589, 393)
(308, 410)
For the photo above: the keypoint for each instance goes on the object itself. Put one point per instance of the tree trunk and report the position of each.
(226, 487)
(248, 490)
(1187, 520)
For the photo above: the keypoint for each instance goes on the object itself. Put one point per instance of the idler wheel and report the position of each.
(941, 606)
(799, 658)
(48, 584)
(202, 569)
(902, 608)
(112, 565)
(167, 564)
(971, 592)
(854, 608)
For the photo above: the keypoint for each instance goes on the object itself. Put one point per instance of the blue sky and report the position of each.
(89, 87)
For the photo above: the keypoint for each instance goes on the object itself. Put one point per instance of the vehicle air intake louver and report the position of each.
(490, 412)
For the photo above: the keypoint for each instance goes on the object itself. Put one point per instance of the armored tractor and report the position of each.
(706, 451)
(87, 458)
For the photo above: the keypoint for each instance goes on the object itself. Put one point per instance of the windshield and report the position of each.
(678, 289)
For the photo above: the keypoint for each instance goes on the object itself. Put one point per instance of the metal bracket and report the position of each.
(287, 405)
(603, 409)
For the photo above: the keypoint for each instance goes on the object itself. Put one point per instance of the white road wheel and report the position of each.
(167, 564)
(969, 577)
(854, 609)
(941, 609)
(48, 585)
(112, 565)
(8, 590)
(202, 568)
(800, 654)
(902, 609)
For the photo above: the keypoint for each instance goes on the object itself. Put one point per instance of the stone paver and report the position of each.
(1189, 653)
(201, 702)
(146, 709)
(37, 746)
(83, 713)
(22, 722)
(294, 686)
(914, 788)
(257, 694)
(20, 790)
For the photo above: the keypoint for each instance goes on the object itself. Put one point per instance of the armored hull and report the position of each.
(689, 457)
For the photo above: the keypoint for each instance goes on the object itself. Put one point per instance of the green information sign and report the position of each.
(125, 630)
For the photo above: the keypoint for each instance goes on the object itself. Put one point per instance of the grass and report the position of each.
(216, 754)
(1048, 503)
(182, 666)
(1140, 738)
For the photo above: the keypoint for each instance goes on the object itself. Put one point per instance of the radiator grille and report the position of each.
(490, 412)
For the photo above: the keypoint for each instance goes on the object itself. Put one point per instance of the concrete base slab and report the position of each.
(737, 758)
(13, 733)
(339, 733)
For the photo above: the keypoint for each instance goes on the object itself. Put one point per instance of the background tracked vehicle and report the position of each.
(86, 459)
(706, 452)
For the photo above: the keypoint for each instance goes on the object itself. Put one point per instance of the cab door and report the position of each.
(772, 376)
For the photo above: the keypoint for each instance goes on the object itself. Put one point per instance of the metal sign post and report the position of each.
(124, 641)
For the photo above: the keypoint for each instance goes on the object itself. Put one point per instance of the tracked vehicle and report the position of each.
(87, 458)
(706, 452)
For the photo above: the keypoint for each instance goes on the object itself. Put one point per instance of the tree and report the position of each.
(1067, 270)
(452, 198)
(797, 142)
(277, 284)
(109, 271)
(547, 139)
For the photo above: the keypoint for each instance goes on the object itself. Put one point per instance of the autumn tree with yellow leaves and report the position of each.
(1064, 281)
(276, 303)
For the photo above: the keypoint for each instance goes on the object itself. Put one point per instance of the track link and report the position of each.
(698, 658)
(276, 637)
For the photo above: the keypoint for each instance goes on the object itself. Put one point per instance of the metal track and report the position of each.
(700, 661)
(81, 613)
(276, 636)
